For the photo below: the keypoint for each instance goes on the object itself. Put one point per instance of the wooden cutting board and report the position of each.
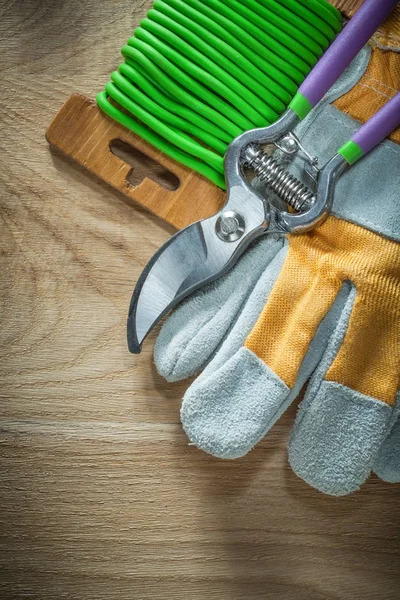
(143, 174)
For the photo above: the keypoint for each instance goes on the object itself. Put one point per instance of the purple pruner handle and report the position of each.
(386, 120)
(345, 47)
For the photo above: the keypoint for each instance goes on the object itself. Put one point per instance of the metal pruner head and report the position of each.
(208, 248)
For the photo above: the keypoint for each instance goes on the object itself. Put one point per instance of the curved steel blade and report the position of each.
(192, 257)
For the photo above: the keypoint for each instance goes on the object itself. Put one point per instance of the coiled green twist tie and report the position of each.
(197, 73)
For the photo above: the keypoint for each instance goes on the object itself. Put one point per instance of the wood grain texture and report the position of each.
(84, 133)
(101, 495)
(347, 7)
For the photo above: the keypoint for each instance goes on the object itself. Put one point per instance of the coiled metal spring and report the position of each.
(292, 191)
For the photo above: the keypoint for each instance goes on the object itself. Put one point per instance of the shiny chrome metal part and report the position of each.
(192, 257)
(315, 206)
(206, 249)
(289, 188)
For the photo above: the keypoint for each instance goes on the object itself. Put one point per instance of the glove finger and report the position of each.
(248, 314)
(197, 327)
(387, 464)
(338, 431)
(238, 397)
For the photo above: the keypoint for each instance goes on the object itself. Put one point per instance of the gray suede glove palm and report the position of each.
(339, 434)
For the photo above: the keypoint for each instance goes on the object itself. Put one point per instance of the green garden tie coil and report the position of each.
(197, 73)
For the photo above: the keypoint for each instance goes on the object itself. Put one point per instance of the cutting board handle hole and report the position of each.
(143, 166)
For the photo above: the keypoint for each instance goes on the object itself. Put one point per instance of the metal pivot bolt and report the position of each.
(230, 226)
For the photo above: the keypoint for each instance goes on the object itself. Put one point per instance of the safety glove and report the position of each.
(322, 306)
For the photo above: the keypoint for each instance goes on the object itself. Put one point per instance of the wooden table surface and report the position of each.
(101, 495)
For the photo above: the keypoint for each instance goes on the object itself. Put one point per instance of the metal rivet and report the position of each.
(230, 226)
(288, 144)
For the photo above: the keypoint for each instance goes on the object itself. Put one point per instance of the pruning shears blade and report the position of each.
(192, 257)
